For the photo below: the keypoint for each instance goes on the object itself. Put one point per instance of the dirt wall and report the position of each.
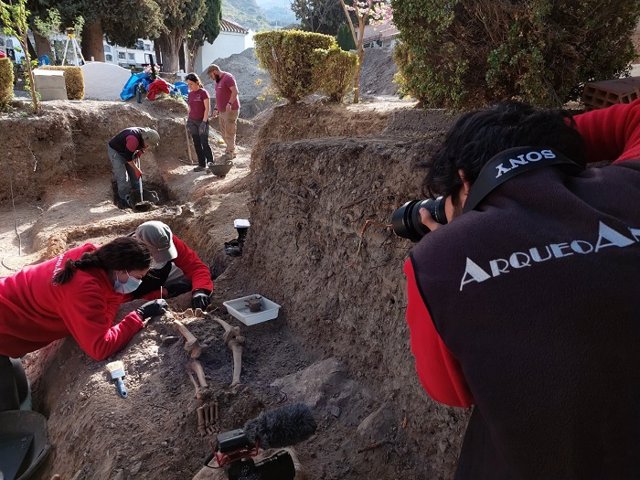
(320, 245)
(70, 141)
(324, 182)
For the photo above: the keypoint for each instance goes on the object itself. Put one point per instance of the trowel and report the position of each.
(116, 370)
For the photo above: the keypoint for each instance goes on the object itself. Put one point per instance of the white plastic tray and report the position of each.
(239, 309)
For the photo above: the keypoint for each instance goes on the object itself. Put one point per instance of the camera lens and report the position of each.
(406, 219)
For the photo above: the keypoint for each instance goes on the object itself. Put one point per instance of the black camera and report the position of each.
(236, 449)
(235, 452)
(406, 221)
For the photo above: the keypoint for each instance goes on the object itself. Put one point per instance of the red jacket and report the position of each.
(34, 312)
(611, 134)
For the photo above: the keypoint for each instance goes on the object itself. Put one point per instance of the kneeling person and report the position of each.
(174, 266)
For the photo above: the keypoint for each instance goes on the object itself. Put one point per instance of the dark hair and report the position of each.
(124, 253)
(194, 78)
(479, 135)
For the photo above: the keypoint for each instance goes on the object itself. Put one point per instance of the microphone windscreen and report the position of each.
(282, 426)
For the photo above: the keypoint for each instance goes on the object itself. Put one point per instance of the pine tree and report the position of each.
(345, 39)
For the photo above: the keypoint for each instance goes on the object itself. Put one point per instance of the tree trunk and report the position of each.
(158, 59)
(360, 49)
(182, 58)
(24, 43)
(32, 49)
(43, 46)
(92, 38)
(192, 52)
(356, 79)
(170, 45)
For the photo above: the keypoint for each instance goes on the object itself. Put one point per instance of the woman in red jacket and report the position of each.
(77, 293)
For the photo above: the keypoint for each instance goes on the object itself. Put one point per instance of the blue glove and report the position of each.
(202, 128)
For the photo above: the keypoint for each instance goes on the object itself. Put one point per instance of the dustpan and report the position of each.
(24, 443)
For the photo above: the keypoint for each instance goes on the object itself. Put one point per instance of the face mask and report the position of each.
(127, 287)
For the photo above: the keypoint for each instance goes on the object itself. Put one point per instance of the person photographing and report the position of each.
(524, 304)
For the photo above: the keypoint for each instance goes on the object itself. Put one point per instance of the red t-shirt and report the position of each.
(223, 92)
(196, 104)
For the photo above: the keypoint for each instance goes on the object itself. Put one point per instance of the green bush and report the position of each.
(288, 57)
(344, 38)
(6, 83)
(467, 53)
(334, 70)
(73, 79)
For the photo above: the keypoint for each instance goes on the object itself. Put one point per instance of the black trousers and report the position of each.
(13, 383)
(200, 142)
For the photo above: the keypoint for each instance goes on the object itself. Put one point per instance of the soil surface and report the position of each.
(318, 185)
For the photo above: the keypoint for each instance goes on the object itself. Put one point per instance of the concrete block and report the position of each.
(50, 84)
(609, 92)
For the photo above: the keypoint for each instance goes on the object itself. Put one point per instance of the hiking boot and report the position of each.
(131, 201)
(199, 168)
(122, 204)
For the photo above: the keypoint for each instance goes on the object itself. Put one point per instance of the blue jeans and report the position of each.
(123, 175)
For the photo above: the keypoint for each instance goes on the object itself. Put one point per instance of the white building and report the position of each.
(382, 35)
(11, 47)
(128, 57)
(233, 38)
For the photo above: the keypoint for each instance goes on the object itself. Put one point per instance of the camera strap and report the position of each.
(510, 163)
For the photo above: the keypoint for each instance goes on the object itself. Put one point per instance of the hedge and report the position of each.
(6, 83)
(466, 53)
(334, 71)
(73, 79)
(288, 57)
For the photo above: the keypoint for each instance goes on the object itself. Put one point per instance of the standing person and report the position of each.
(227, 107)
(526, 303)
(198, 121)
(76, 294)
(174, 266)
(123, 150)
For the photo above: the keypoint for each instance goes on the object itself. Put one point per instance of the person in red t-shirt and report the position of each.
(78, 294)
(227, 107)
(198, 121)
